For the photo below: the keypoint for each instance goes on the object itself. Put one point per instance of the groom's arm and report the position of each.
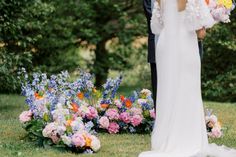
(147, 8)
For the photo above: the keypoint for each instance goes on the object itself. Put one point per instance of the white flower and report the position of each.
(118, 103)
(146, 92)
(95, 144)
(66, 140)
(77, 125)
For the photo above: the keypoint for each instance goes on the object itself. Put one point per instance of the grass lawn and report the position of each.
(12, 142)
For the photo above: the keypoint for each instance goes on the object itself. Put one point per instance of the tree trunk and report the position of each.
(101, 64)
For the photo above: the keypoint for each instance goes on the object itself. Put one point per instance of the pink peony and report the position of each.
(78, 140)
(113, 128)
(104, 122)
(125, 117)
(136, 120)
(92, 113)
(112, 114)
(152, 113)
(25, 116)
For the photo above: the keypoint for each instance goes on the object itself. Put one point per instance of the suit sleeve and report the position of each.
(147, 8)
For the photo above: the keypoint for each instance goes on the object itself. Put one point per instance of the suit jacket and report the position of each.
(147, 6)
(151, 37)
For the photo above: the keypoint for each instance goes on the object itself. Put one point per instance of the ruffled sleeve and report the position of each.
(156, 20)
(197, 15)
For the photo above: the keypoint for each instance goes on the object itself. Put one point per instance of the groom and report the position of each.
(147, 5)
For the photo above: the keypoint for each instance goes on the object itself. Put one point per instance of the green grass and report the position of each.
(13, 143)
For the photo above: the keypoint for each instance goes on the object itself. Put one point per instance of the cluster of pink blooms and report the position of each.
(111, 118)
(127, 114)
(213, 126)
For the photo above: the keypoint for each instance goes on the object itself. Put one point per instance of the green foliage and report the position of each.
(9, 65)
(49, 36)
(21, 26)
(219, 64)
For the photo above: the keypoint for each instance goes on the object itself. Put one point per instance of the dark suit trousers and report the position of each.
(154, 81)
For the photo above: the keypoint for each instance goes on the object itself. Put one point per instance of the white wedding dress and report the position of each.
(180, 129)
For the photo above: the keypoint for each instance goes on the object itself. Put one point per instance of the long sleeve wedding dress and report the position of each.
(180, 129)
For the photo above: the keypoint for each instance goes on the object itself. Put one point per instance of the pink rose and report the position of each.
(112, 114)
(113, 128)
(136, 120)
(25, 116)
(78, 140)
(104, 122)
(92, 113)
(125, 117)
(152, 113)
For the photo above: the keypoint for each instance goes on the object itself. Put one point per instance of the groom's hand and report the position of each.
(201, 33)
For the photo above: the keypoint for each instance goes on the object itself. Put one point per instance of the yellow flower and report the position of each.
(227, 3)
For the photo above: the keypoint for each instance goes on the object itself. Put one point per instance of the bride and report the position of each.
(180, 130)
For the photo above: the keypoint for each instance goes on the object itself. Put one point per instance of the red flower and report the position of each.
(122, 98)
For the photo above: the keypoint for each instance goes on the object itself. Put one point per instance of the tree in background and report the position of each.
(118, 21)
(46, 35)
(21, 26)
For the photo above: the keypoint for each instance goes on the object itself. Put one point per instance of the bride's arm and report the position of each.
(156, 20)
(198, 15)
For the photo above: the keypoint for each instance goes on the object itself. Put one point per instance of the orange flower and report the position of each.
(104, 106)
(75, 107)
(122, 98)
(38, 96)
(88, 141)
(207, 2)
(68, 122)
(128, 103)
(80, 95)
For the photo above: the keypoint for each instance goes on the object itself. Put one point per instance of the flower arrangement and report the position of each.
(134, 114)
(213, 125)
(221, 9)
(69, 114)
(59, 113)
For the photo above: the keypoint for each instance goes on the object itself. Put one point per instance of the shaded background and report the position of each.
(103, 37)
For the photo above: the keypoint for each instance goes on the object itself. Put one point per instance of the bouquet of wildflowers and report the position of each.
(59, 114)
(213, 126)
(221, 9)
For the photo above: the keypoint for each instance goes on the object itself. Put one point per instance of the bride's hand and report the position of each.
(201, 33)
